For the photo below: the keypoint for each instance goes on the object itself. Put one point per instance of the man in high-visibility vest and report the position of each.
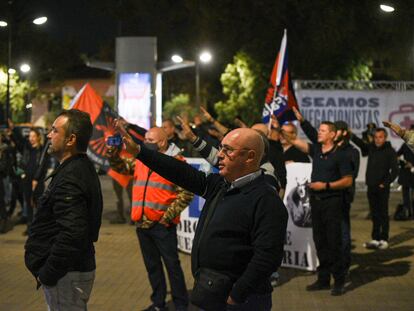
(156, 206)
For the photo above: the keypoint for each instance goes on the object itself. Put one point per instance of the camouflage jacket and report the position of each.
(126, 165)
(409, 138)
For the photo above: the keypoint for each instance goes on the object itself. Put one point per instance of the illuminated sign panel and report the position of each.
(134, 98)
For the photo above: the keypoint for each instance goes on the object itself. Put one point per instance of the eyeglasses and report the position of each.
(228, 151)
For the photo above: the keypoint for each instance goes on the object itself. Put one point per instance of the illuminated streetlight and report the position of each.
(25, 68)
(40, 20)
(37, 21)
(177, 59)
(12, 71)
(205, 57)
(387, 8)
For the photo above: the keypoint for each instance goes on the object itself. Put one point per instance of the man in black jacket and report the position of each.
(242, 227)
(342, 141)
(60, 251)
(331, 174)
(382, 169)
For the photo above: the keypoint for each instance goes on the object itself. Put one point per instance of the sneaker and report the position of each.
(383, 244)
(338, 290)
(274, 279)
(318, 285)
(373, 244)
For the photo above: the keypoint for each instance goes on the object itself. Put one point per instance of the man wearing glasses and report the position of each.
(239, 238)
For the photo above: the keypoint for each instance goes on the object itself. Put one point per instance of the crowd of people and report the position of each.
(238, 243)
(335, 167)
(24, 163)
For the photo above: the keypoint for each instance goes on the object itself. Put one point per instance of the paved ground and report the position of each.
(380, 280)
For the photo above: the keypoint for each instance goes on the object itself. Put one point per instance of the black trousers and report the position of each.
(17, 195)
(346, 234)
(378, 203)
(327, 221)
(408, 196)
(161, 242)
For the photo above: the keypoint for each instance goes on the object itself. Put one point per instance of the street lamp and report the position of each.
(25, 68)
(177, 59)
(40, 20)
(387, 8)
(204, 57)
(37, 21)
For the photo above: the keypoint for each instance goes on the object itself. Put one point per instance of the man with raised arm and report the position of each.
(240, 235)
(382, 169)
(406, 134)
(341, 139)
(331, 173)
(156, 207)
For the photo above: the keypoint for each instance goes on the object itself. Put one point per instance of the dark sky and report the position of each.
(75, 19)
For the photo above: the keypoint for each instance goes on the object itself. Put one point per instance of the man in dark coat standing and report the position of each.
(239, 239)
(382, 169)
(59, 251)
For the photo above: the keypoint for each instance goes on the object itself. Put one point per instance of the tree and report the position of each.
(19, 90)
(243, 86)
(179, 105)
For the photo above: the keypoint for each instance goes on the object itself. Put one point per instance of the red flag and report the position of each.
(102, 117)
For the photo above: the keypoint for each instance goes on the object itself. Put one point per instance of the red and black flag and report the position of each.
(280, 97)
(102, 117)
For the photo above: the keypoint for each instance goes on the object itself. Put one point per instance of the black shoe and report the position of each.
(154, 308)
(318, 285)
(338, 290)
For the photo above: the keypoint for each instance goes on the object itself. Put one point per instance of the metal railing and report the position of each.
(353, 85)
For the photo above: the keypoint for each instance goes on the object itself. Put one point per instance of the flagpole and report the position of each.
(279, 69)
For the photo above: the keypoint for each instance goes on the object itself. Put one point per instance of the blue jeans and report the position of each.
(71, 293)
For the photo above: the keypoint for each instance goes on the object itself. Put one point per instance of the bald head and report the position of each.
(249, 139)
(157, 135)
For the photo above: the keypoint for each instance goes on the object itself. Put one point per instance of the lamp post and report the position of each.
(37, 21)
(25, 69)
(204, 57)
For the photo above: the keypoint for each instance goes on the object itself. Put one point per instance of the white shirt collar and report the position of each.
(244, 180)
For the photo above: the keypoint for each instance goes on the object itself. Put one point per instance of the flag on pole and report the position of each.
(280, 97)
(102, 117)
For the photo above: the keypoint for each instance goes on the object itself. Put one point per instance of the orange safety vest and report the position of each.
(151, 194)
